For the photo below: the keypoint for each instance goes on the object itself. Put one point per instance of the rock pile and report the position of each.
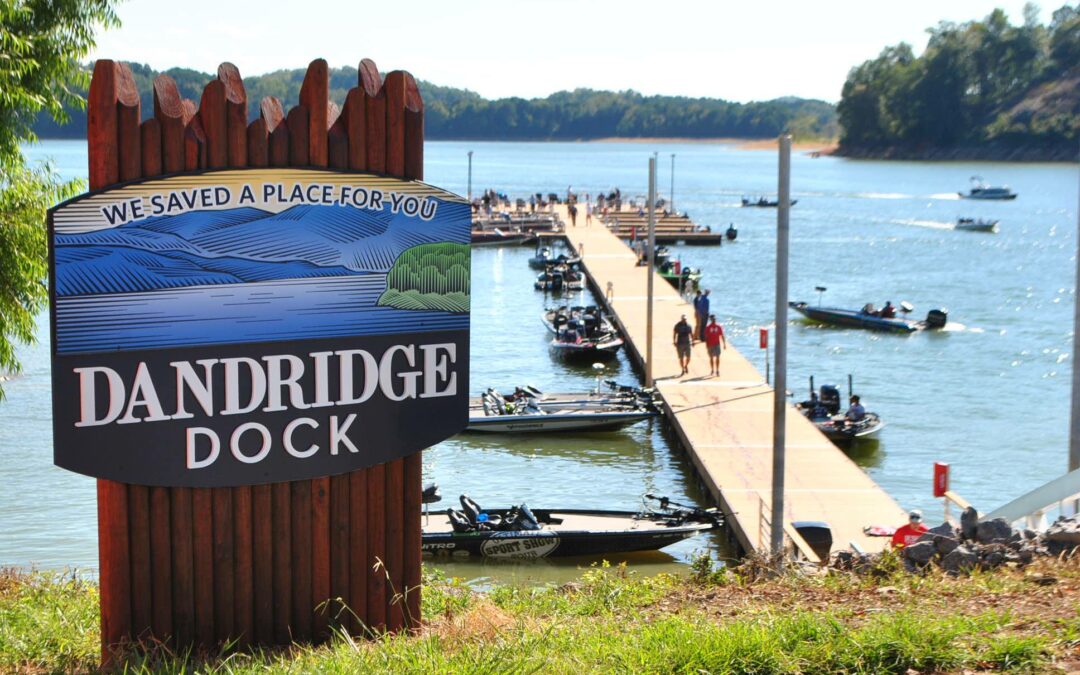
(976, 544)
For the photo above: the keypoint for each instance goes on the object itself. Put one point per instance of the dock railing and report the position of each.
(795, 546)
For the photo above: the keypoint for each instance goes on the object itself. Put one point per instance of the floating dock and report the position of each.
(725, 423)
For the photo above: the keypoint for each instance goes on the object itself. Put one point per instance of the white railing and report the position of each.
(1058, 495)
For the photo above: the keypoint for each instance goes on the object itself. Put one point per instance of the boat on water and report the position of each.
(522, 533)
(591, 317)
(497, 237)
(765, 202)
(544, 257)
(573, 340)
(823, 409)
(871, 319)
(980, 190)
(731, 233)
(678, 275)
(528, 410)
(561, 277)
(976, 225)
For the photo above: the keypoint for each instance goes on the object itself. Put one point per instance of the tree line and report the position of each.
(979, 82)
(452, 113)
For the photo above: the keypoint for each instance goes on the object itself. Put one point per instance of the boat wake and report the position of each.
(946, 195)
(934, 224)
(882, 195)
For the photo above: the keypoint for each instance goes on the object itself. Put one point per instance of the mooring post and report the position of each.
(783, 213)
(651, 263)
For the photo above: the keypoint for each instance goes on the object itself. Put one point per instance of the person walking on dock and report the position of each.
(701, 313)
(683, 338)
(714, 335)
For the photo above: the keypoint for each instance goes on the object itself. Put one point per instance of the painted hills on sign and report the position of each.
(240, 245)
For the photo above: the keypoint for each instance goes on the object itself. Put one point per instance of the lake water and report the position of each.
(991, 398)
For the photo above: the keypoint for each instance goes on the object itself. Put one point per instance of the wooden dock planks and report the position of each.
(725, 423)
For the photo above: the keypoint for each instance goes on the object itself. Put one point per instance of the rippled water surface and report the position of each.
(990, 397)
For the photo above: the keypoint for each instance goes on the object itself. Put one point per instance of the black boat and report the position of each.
(572, 340)
(592, 318)
(522, 533)
(731, 232)
(545, 257)
(764, 202)
(823, 409)
(561, 277)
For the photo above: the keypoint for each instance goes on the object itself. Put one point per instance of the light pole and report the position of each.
(776, 542)
(671, 195)
(470, 176)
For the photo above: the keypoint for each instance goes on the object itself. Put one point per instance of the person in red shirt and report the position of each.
(906, 535)
(714, 335)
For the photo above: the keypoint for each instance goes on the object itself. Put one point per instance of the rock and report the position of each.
(969, 521)
(993, 531)
(920, 553)
(945, 530)
(1030, 534)
(961, 559)
(1065, 531)
(945, 545)
(993, 556)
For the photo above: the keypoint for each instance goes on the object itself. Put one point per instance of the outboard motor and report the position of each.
(830, 398)
(556, 281)
(430, 495)
(936, 318)
(817, 535)
(526, 520)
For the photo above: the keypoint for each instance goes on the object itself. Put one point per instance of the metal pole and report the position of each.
(1074, 421)
(671, 196)
(780, 391)
(650, 255)
(470, 176)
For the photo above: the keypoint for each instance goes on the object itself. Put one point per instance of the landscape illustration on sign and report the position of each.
(254, 274)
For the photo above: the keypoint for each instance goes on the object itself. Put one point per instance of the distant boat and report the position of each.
(980, 190)
(976, 225)
(558, 278)
(544, 257)
(731, 232)
(765, 202)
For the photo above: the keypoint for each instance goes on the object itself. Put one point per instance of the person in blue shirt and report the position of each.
(856, 412)
(701, 313)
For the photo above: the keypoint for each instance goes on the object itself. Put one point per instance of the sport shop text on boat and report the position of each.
(238, 386)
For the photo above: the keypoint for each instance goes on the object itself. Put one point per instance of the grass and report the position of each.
(612, 621)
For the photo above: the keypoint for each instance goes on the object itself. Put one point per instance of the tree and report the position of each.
(41, 42)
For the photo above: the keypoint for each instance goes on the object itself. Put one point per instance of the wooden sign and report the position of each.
(245, 327)
(264, 564)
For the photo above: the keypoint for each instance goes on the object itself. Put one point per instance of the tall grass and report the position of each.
(609, 621)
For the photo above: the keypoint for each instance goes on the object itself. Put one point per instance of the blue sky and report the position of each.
(741, 51)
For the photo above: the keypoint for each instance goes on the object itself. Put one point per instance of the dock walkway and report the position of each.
(725, 422)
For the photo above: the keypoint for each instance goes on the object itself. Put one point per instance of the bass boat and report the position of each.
(523, 533)
(593, 319)
(528, 410)
(678, 275)
(976, 225)
(545, 257)
(572, 340)
(823, 409)
(870, 319)
(764, 202)
(557, 278)
(497, 237)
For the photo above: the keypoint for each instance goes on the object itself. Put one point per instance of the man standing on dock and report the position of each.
(701, 313)
(683, 338)
(714, 335)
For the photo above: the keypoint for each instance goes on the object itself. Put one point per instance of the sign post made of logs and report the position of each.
(256, 328)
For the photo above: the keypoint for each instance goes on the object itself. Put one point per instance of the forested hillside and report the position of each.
(567, 115)
(983, 89)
